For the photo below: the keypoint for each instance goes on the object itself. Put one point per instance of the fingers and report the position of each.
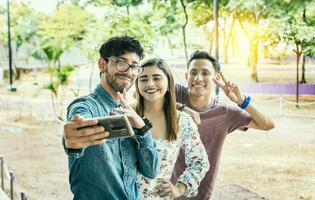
(89, 131)
(223, 78)
(93, 138)
(124, 111)
(196, 119)
(164, 188)
(165, 192)
(80, 122)
(85, 137)
(121, 110)
(122, 99)
(218, 83)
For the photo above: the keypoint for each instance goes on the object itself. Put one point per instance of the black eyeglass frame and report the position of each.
(136, 70)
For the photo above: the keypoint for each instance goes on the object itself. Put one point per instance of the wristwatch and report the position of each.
(147, 126)
(181, 107)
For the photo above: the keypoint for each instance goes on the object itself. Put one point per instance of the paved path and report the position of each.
(234, 192)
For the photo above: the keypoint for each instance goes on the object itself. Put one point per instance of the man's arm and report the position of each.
(80, 131)
(148, 160)
(259, 120)
(231, 90)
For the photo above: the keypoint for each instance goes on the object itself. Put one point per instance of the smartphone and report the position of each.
(118, 126)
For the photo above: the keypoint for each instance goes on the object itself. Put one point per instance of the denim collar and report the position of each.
(108, 100)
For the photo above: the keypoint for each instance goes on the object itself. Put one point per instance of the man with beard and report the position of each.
(100, 168)
(217, 119)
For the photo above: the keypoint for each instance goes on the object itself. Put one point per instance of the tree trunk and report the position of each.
(234, 45)
(303, 70)
(128, 10)
(253, 58)
(211, 42)
(298, 55)
(227, 42)
(224, 39)
(170, 45)
(184, 29)
(91, 76)
(253, 50)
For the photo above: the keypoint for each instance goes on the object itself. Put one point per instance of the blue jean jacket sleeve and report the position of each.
(80, 107)
(149, 163)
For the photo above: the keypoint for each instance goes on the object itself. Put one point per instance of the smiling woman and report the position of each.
(171, 131)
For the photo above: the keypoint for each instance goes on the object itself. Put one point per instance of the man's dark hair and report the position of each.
(117, 46)
(204, 55)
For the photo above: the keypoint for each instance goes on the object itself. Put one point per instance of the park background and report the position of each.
(265, 46)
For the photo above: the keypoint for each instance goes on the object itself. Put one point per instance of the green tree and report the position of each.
(202, 14)
(298, 17)
(127, 3)
(97, 33)
(24, 27)
(164, 19)
(57, 34)
(134, 25)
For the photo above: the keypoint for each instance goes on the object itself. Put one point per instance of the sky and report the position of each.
(45, 6)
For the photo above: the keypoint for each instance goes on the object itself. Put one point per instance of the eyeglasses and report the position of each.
(124, 66)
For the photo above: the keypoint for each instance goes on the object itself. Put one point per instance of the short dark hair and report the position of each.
(204, 55)
(119, 45)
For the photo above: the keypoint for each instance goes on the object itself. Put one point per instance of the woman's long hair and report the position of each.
(169, 107)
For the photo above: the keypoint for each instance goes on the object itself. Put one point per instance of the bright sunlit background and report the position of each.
(265, 46)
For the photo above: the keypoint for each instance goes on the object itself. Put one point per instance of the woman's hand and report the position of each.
(166, 188)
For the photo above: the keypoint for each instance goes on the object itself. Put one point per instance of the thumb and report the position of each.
(76, 117)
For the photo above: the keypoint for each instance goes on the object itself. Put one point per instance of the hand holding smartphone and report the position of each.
(118, 126)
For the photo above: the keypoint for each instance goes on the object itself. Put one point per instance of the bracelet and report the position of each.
(245, 103)
(181, 107)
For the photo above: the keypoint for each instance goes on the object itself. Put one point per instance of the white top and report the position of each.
(195, 158)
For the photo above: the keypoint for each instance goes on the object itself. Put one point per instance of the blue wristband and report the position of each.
(245, 103)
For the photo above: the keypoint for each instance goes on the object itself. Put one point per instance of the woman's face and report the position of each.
(152, 84)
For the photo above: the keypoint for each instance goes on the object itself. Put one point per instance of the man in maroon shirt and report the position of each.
(217, 119)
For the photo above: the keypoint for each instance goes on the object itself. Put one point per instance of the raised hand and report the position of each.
(194, 114)
(80, 133)
(166, 188)
(134, 119)
(230, 89)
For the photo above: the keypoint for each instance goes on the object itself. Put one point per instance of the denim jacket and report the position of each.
(108, 171)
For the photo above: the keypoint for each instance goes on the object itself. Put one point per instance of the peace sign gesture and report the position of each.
(230, 89)
(134, 119)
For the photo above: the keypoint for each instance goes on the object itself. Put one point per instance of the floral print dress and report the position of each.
(195, 157)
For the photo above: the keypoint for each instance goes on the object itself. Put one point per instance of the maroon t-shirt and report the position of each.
(217, 120)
